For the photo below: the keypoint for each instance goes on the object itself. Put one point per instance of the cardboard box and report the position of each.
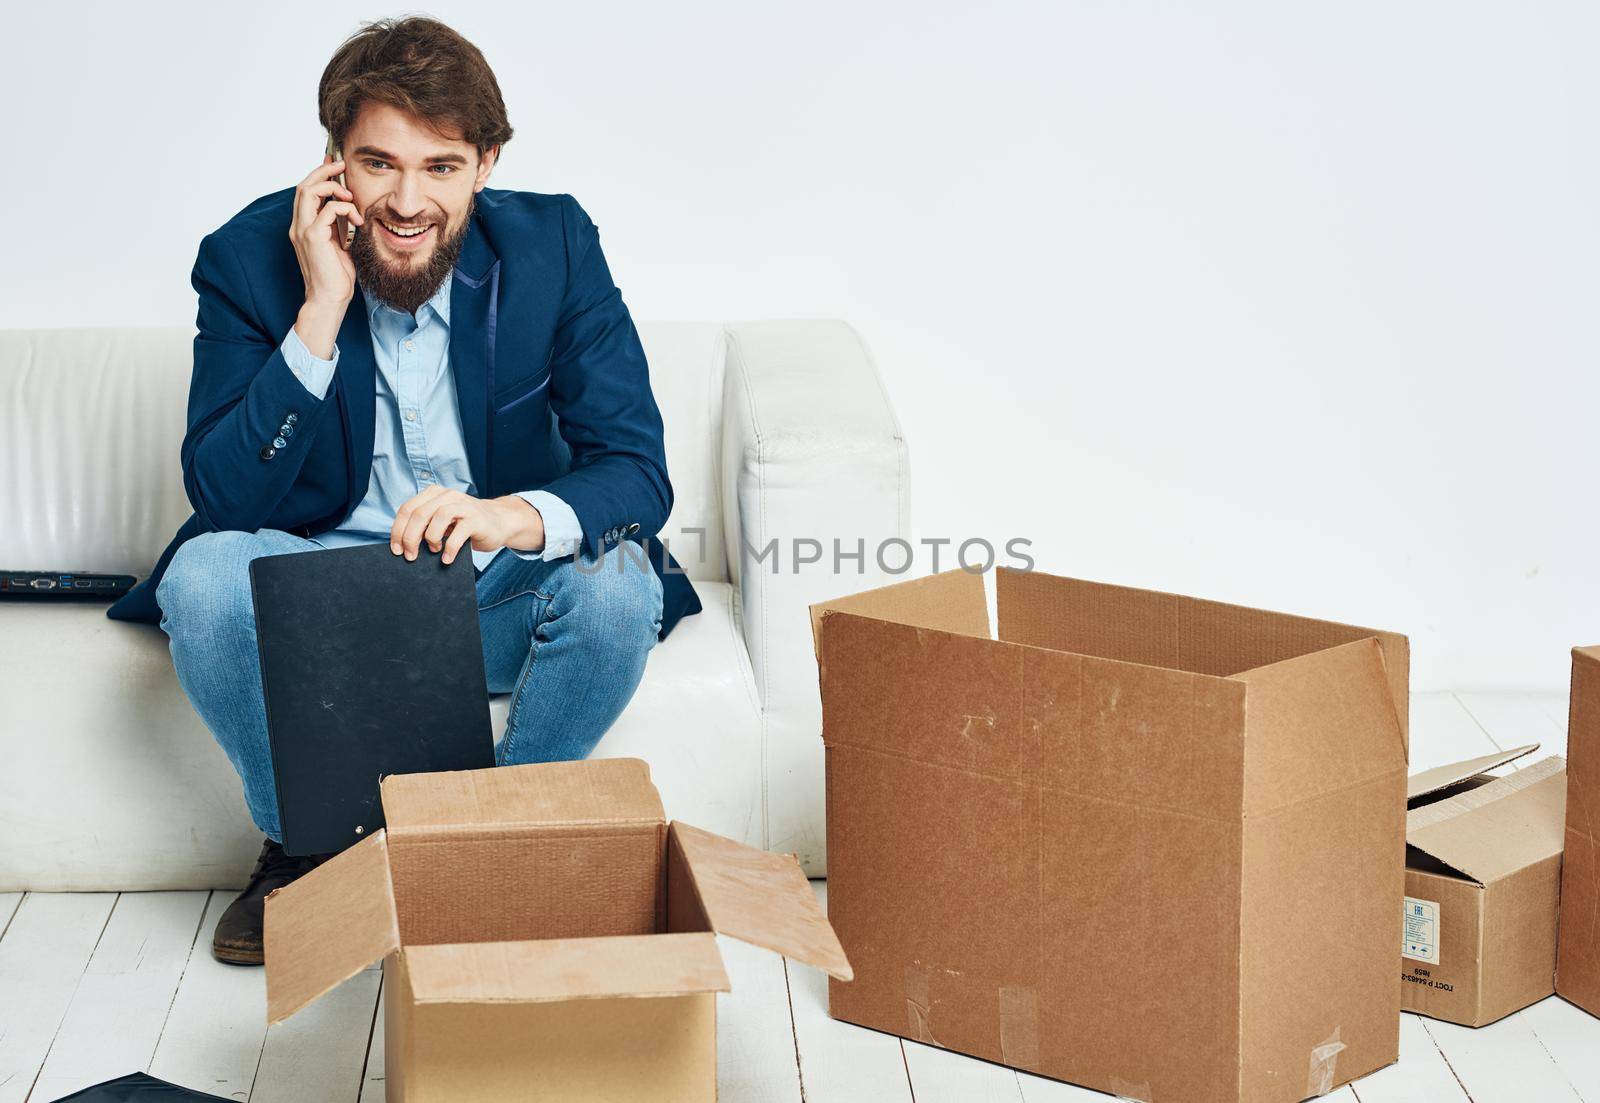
(1145, 843)
(545, 934)
(1578, 957)
(1483, 883)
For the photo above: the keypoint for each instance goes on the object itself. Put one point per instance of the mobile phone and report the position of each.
(341, 225)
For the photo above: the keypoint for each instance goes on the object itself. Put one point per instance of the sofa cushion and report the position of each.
(112, 782)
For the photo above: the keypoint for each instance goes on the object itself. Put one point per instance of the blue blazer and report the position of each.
(550, 377)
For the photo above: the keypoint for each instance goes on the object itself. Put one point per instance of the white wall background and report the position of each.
(1286, 304)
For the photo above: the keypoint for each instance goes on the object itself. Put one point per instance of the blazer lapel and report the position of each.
(474, 305)
(356, 382)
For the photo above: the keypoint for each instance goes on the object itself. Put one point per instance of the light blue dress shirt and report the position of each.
(417, 440)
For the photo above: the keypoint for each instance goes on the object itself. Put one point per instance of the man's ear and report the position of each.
(486, 166)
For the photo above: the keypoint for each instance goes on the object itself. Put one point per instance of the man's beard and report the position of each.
(408, 289)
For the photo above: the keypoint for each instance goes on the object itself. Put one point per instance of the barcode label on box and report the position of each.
(1421, 935)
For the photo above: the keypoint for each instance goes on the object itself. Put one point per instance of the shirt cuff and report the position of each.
(562, 533)
(313, 372)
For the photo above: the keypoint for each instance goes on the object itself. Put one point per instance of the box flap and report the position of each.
(1174, 631)
(1318, 724)
(566, 969)
(328, 926)
(760, 898)
(951, 601)
(598, 790)
(1497, 828)
(1442, 777)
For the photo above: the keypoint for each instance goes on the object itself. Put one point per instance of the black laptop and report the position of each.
(371, 665)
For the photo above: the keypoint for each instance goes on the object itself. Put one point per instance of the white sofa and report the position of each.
(776, 430)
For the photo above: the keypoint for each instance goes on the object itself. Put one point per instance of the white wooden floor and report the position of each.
(96, 985)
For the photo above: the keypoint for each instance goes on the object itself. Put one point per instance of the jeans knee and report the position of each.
(204, 575)
(616, 594)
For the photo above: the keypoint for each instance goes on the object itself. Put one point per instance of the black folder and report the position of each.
(371, 665)
(137, 1087)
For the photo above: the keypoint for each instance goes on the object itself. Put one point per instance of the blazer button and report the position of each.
(292, 418)
(286, 430)
(268, 452)
(279, 442)
(633, 528)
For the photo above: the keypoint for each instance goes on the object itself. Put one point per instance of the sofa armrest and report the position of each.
(812, 460)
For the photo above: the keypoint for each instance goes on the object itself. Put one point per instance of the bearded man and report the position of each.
(464, 376)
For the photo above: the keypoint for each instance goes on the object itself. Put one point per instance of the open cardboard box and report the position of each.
(1578, 954)
(545, 934)
(1146, 843)
(1483, 881)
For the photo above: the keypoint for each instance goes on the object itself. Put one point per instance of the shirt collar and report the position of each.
(438, 302)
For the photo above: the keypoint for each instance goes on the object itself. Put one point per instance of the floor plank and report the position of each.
(1572, 1038)
(1421, 1072)
(123, 999)
(318, 1054)
(43, 955)
(1556, 706)
(114, 1021)
(1443, 731)
(940, 1076)
(372, 1080)
(1516, 719)
(214, 1033)
(755, 1031)
(8, 908)
(839, 1062)
(1503, 1062)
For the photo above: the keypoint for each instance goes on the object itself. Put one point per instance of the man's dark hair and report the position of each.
(422, 67)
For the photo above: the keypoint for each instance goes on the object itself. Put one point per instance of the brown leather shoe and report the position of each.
(238, 937)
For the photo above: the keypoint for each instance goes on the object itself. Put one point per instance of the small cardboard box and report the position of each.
(545, 934)
(1578, 956)
(1145, 843)
(1483, 881)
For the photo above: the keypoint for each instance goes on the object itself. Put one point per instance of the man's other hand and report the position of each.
(447, 519)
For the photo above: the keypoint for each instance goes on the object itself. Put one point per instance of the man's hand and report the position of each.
(325, 267)
(447, 519)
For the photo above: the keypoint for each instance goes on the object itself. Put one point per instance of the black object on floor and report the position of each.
(136, 1087)
(371, 665)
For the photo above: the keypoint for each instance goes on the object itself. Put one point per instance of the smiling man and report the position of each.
(465, 378)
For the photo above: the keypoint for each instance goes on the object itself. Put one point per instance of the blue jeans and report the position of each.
(569, 644)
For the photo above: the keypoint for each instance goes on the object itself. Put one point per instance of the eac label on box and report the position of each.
(1421, 937)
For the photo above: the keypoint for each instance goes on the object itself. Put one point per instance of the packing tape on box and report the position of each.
(1019, 1027)
(1324, 1059)
(917, 1004)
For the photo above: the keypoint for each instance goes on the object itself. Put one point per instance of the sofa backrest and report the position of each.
(91, 421)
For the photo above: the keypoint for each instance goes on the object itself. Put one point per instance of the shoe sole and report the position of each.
(237, 957)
